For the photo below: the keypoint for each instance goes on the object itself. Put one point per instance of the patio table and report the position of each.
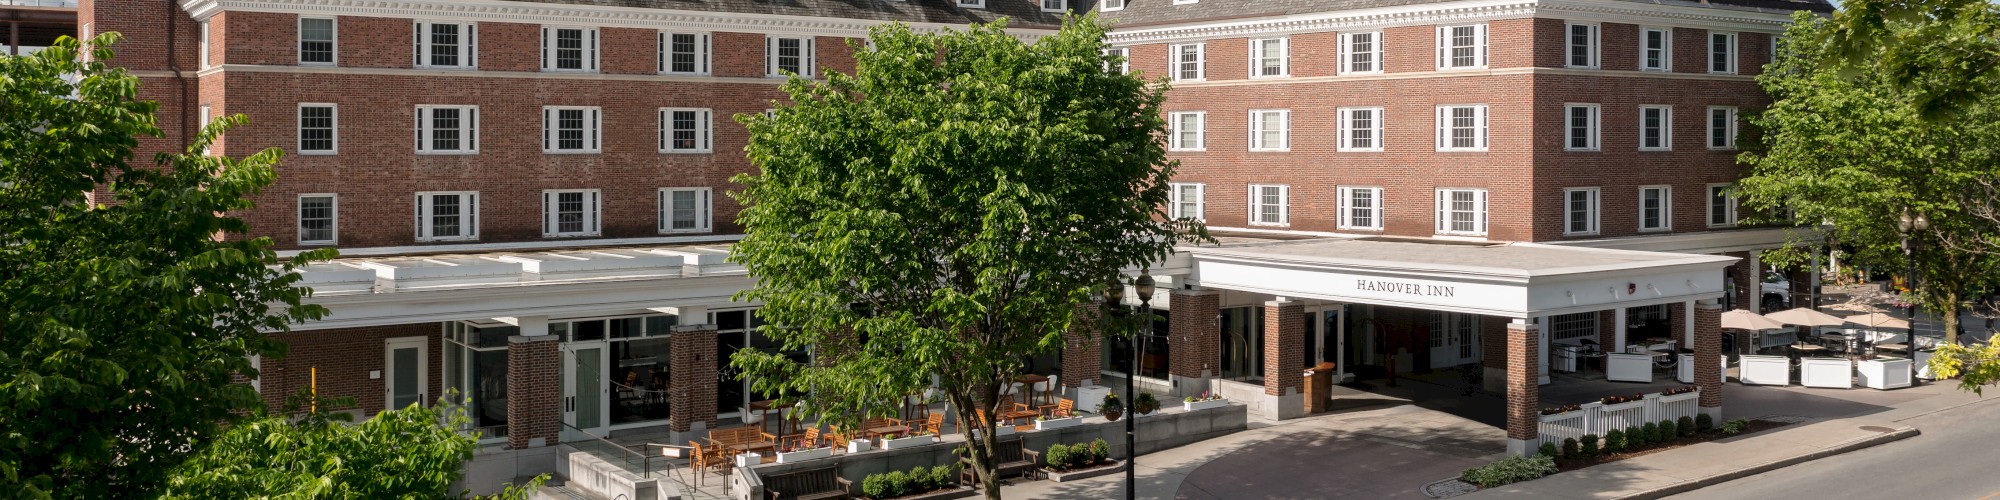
(886, 430)
(1903, 348)
(1028, 382)
(764, 408)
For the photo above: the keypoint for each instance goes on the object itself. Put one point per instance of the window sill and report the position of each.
(459, 68)
(1579, 235)
(318, 153)
(571, 235)
(1727, 149)
(1583, 67)
(1270, 150)
(1202, 150)
(1657, 230)
(1357, 228)
(1656, 70)
(445, 240)
(1358, 150)
(1461, 68)
(1271, 224)
(1721, 226)
(1271, 77)
(574, 71)
(1590, 150)
(1656, 150)
(556, 152)
(1465, 150)
(1361, 73)
(447, 153)
(677, 73)
(318, 243)
(1189, 80)
(320, 64)
(686, 231)
(686, 152)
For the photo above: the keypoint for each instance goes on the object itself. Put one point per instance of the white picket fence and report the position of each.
(1599, 418)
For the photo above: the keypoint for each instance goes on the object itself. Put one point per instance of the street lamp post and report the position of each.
(1910, 226)
(1115, 294)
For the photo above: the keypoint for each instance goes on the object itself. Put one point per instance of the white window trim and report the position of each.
(971, 4)
(1596, 45)
(1200, 133)
(334, 23)
(206, 50)
(590, 52)
(1666, 51)
(806, 53)
(1443, 213)
(1595, 127)
(704, 210)
(593, 130)
(1595, 213)
(1666, 209)
(301, 129)
(1284, 205)
(1064, 5)
(1666, 127)
(468, 45)
(299, 219)
(1346, 208)
(202, 118)
(1185, 2)
(1257, 59)
(1708, 201)
(1174, 201)
(704, 53)
(1347, 53)
(1124, 59)
(468, 139)
(704, 131)
(1708, 130)
(1444, 57)
(1443, 118)
(1284, 131)
(1346, 127)
(1709, 61)
(470, 217)
(1200, 62)
(1105, 6)
(593, 210)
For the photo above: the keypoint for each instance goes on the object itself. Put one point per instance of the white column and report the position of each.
(1542, 324)
(531, 326)
(1618, 330)
(1756, 288)
(1687, 324)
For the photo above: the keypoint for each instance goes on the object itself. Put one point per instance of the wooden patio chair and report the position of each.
(876, 423)
(809, 440)
(933, 424)
(706, 458)
(1064, 408)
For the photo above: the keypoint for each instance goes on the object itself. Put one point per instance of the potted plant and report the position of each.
(1109, 408)
(1205, 401)
(1145, 404)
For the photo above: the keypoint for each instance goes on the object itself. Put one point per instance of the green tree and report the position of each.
(943, 212)
(124, 323)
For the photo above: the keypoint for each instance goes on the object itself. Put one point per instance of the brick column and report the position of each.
(1194, 341)
(1493, 352)
(1083, 346)
(1284, 360)
(1524, 394)
(1677, 324)
(1708, 356)
(691, 388)
(534, 391)
(1607, 329)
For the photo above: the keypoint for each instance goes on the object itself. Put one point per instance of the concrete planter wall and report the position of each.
(804, 455)
(908, 442)
(1078, 475)
(1204, 405)
(1057, 423)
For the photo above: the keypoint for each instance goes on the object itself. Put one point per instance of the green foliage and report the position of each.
(1509, 470)
(1570, 447)
(1652, 433)
(1735, 427)
(897, 482)
(1668, 431)
(943, 211)
(1057, 456)
(1974, 365)
(1614, 441)
(1145, 403)
(1703, 422)
(943, 476)
(1589, 445)
(123, 320)
(1685, 426)
(876, 486)
(1080, 455)
(1547, 450)
(1100, 450)
(1940, 51)
(1109, 405)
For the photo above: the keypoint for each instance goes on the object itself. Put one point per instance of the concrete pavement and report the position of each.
(1952, 459)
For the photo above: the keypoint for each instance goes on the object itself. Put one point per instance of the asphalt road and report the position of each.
(1953, 459)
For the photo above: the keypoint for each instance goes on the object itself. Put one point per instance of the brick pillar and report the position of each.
(1493, 352)
(691, 388)
(1284, 361)
(1677, 324)
(1607, 329)
(534, 391)
(1194, 342)
(1708, 357)
(1083, 346)
(1524, 394)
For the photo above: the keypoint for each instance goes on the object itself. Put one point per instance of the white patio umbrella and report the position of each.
(1878, 320)
(1745, 320)
(1806, 317)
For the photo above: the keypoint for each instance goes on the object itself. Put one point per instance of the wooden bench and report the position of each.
(824, 482)
(1013, 456)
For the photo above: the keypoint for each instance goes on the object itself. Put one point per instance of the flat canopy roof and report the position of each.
(1521, 260)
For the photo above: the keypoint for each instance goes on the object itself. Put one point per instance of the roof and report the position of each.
(1522, 260)
(1142, 13)
(1019, 12)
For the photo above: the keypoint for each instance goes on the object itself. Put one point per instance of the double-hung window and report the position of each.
(1722, 53)
(318, 129)
(1656, 49)
(571, 129)
(788, 54)
(1188, 62)
(1721, 127)
(202, 116)
(447, 129)
(1461, 128)
(570, 212)
(1186, 202)
(317, 41)
(206, 50)
(684, 210)
(1461, 47)
(684, 53)
(1119, 58)
(447, 216)
(1270, 130)
(319, 216)
(1580, 131)
(972, 4)
(447, 45)
(1580, 211)
(1461, 212)
(685, 130)
(1361, 53)
(1270, 205)
(1580, 46)
(1185, 130)
(1721, 206)
(1111, 5)
(1656, 207)
(1270, 57)
(1360, 208)
(569, 49)
(1360, 129)
(1055, 5)
(1656, 128)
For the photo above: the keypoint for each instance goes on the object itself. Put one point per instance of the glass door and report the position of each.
(405, 363)
(584, 393)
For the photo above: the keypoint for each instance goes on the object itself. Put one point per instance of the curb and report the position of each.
(1905, 432)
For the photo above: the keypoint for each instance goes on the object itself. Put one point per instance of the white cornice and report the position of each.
(474, 73)
(546, 13)
(1418, 75)
(1464, 11)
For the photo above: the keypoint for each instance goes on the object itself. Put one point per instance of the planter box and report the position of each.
(1058, 423)
(1000, 431)
(804, 455)
(749, 459)
(946, 494)
(908, 442)
(1621, 367)
(859, 446)
(1676, 398)
(1685, 370)
(1765, 370)
(1057, 476)
(1826, 373)
(1204, 405)
(1885, 373)
(1624, 406)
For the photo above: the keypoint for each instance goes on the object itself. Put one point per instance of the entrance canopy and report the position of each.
(1517, 280)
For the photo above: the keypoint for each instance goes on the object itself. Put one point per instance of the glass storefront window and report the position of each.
(639, 380)
(1153, 362)
(625, 328)
(1243, 343)
(488, 393)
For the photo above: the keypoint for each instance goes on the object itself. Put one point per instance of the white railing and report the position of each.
(1599, 418)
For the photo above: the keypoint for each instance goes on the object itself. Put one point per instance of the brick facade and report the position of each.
(1677, 324)
(1708, 353)
(345, 359)
(692, 384)
(1083, 347)
(1524, 390)
(1284, 347)
(1194, 348)
(534, 391)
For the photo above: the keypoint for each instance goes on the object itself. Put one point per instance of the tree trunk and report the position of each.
(980, 447)
(1949, 311)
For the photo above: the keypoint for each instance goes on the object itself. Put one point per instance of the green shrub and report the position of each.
(1547, 450)
(898, 483)
(1057, 456)
(875, 486)
(1101, 450)
(920, 480)
(1703, 422)
(1080, 455)
(1614, 441)
(1669, 431)
(1634, 440)
(1685, 426)
(1735, 427)
(942, 477)
(1652, 433)
(1589, 443)
(1509, 470)
(1570, 447)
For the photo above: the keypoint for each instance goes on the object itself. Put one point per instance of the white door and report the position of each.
(405, 366)
(586, 397)
(1454, 339)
